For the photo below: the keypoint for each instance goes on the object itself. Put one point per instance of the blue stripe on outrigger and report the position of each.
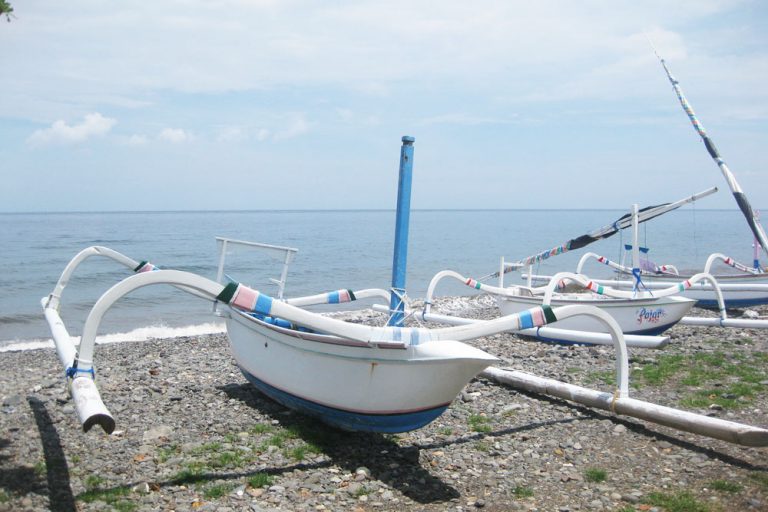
(263, 304)
(526, 320)
(347, 420)
(333, 297)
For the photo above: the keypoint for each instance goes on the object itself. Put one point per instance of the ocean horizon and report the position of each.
(337, 249)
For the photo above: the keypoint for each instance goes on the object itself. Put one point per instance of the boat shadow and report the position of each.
(386, 461)
(25, 480)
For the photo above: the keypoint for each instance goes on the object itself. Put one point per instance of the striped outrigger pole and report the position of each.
(594, 287)
(242, 297)
(738, 194)
(340, 296)
(536, 317)
(145, 266)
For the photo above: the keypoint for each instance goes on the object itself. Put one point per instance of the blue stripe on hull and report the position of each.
(651, 332)
(732, 303)
(346, 420)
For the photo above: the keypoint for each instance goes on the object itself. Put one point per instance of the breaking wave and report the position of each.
(140, 334)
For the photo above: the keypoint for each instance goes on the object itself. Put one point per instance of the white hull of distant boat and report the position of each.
(738, 289)
(635, 316)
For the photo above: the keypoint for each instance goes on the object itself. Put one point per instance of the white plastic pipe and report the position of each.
(730, 431)
(743, 323)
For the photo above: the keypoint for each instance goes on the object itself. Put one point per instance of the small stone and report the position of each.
(12, 401)
(163, 432)
(619, 429)
(595, 505)
(141, 488)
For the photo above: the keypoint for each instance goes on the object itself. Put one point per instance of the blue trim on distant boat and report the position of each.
(651, 332)
(346, 420)
(731, 303)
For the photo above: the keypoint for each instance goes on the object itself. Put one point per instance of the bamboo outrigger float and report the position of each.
(353, 376)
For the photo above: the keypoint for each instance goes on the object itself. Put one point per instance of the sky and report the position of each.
(267, 104)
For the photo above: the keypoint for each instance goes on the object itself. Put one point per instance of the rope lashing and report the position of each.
(72, 371)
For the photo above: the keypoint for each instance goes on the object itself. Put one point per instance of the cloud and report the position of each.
(263, 134)
(60, 132)
(231, 134)
(463, 119)
(136, 140)
(298, 126)
(175, 135)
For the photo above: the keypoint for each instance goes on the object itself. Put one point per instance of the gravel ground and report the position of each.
(194, 435)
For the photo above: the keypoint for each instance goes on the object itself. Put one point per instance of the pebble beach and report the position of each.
(192, 434)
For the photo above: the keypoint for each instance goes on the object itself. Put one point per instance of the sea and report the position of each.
(339, 249)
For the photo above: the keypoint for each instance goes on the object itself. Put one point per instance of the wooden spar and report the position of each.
(730, 431)
(400, 256)
(738, 194)
(644, 214)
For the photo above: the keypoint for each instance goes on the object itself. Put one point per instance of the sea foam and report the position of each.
(140, 334)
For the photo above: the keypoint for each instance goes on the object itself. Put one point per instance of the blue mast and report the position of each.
(400, 257)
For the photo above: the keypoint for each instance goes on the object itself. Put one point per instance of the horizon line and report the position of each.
(327, 210)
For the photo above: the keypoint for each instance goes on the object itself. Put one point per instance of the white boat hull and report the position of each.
(739, 291)
(635, 316)
(351, 385)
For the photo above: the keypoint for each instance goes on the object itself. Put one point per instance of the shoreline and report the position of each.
(192, 434)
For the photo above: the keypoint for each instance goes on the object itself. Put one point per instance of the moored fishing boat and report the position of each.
(358, 377)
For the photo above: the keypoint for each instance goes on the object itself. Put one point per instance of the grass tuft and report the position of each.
(522, 491)
(728, 380)
(215, 491)
(595, 475)
(478, 423)
(260, 480)
(761, 478)
(726, 486)
(679, 502)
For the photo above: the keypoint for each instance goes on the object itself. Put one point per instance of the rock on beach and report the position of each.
(192, 434)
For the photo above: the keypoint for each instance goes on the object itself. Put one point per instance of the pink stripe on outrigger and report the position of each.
(148, 267)
(344, 296)
(245, 298)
